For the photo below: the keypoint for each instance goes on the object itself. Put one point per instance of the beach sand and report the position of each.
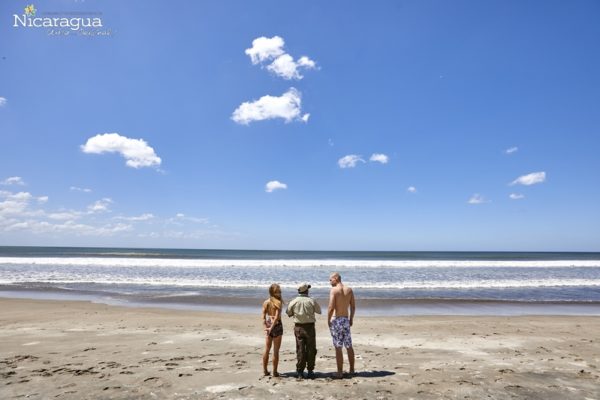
(81, 350)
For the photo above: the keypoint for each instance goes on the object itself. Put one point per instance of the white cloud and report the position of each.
(411, 189)
(274, 185)
(143, 217)
(3, 101)
(14, 203)
(330, 142)
(13, 180)
(78, 229)
(305, 117)
(530, 179)
(180, 218)
(287, 106)
(264, 49)
(42, 199)
(100, 206)
(136, 151)
(350, 161)
(64, 215)
(516, 196)
(477, 199)
(381, 158)
(511, 150)
(285, 66)
(78, 189)
(306, 62)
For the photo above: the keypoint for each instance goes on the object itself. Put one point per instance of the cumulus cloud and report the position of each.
(13, 180)
(78, 189)
(42, 199)
(530, 179)
(282, 64)
(516, 196)
(411, 189)
(285, 66)
(3, 101)
(264, 49)
(100, 206)
(271, 186)
(381, 158)
(350, 161)
(477, 199)
(511, 150)
(136, 151)
(287, 106)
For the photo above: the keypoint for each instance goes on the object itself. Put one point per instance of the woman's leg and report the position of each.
(268, 342)
(277, 345)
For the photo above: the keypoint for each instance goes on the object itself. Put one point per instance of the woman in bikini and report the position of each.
(271, 317)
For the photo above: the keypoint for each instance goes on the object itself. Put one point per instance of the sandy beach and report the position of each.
(77, 350)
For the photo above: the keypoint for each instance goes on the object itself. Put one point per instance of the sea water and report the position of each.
(237, 278)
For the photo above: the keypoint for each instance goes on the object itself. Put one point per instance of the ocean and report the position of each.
(385, 283)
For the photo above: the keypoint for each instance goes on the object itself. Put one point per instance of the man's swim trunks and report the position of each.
(340, 332)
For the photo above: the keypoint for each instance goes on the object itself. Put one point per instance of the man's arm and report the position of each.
(331, 308)
(290, 309)
(317, 307)
(352, 307)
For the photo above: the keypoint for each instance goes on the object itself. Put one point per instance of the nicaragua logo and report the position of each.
(30, 10)
(29, 20)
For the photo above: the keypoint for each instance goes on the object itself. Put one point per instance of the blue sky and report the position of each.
(203, 116)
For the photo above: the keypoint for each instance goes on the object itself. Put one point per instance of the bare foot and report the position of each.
(266, 373)
(275, 374)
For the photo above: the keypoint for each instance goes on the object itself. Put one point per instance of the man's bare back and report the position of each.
(342, 298)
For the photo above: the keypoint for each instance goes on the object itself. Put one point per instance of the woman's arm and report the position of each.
(264, 317)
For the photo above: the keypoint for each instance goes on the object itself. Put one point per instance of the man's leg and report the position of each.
(300, 348)
(339, 359)
(350, 358)
(337, 344)
(311, 347)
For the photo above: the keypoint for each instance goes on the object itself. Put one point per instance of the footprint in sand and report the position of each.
(156, 382)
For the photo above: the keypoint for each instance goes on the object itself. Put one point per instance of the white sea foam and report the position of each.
(245, 284)
(289, 263)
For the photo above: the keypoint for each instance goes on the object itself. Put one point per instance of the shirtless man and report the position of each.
(340, 298)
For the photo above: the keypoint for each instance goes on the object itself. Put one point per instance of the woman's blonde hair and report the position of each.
(275, 299)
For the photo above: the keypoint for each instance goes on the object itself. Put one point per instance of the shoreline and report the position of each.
(76, 349)
(365, 307)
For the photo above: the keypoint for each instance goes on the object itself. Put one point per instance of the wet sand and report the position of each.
(75, 350)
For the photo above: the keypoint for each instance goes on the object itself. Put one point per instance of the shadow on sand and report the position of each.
(332, 375)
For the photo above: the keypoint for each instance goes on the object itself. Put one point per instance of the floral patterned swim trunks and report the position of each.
(340, 332)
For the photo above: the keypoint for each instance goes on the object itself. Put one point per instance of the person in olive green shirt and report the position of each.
(303, 309)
